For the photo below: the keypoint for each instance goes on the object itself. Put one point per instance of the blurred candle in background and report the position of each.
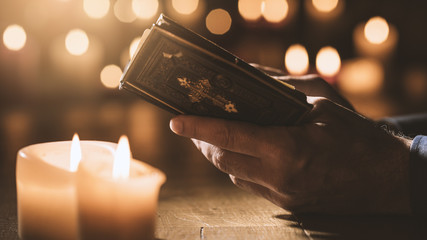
(76, 42)
(325, 5)
(376, 39)
(96, 8)
(186, 12)
(145, 9)
(361, 77)
(328, 63)
(274, 11)
(324, 9)
(110, 76)
(250, 10)
(14, 37)
(296, 60)
(185, 6)
(218, 21)
(123, 11)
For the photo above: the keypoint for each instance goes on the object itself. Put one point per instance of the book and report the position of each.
(184, 73)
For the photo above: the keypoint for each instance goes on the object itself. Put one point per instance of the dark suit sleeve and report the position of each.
(418, 175)
(414, 126)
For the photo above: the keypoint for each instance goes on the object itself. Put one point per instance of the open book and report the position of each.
(184, 73)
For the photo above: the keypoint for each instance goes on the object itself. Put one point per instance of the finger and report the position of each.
(240, 137)
(313, 85)
(243, 166)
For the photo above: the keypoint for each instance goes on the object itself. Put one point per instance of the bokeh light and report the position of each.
(123, 11)
(96, 8)
(296, 59)
(14, 37)
(133, 46)
(185, 6)
(274, 10)
(328, 61)
(145, 9)
(250, 9)
(110, 76)
(376, 30)
(76, 42)
(361, 76)
(218, 21)
(325, 5)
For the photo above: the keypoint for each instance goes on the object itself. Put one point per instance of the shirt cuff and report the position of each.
(418, 175)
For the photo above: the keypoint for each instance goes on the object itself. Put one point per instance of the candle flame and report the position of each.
(75, 153)
(122, 158)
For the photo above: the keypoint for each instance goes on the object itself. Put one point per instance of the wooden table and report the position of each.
(214, 209)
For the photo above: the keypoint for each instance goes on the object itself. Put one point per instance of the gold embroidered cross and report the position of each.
(202, 89)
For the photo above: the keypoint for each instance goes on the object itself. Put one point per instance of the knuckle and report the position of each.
(219, 159)
(322, 103)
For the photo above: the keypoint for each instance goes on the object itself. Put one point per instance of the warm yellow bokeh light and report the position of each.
(275, 10)
(325, 5)
(296, 60)
(96, 8)
(14, 37)
(133, 46)
(110, 76)
(376, 30)
(361, 76)
(218, 21)
(185, 6)
(123, 11)
(250, 9)
(76, 42)
(145, 9)
(328, 61)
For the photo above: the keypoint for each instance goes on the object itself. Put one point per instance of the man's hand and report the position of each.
(336, 161)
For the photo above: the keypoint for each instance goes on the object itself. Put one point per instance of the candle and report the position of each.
(361, 76)
(328, 63)
(117, 199)
(45, 186)
(375, 39)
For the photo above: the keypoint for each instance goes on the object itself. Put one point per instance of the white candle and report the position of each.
(46, 188)
(117, 199)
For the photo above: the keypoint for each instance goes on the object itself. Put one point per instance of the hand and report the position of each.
(336, 161)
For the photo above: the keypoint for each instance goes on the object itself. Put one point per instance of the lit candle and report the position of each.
(117, 199)
(45, 178)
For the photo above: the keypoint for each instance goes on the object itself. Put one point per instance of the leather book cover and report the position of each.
(184, 73)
